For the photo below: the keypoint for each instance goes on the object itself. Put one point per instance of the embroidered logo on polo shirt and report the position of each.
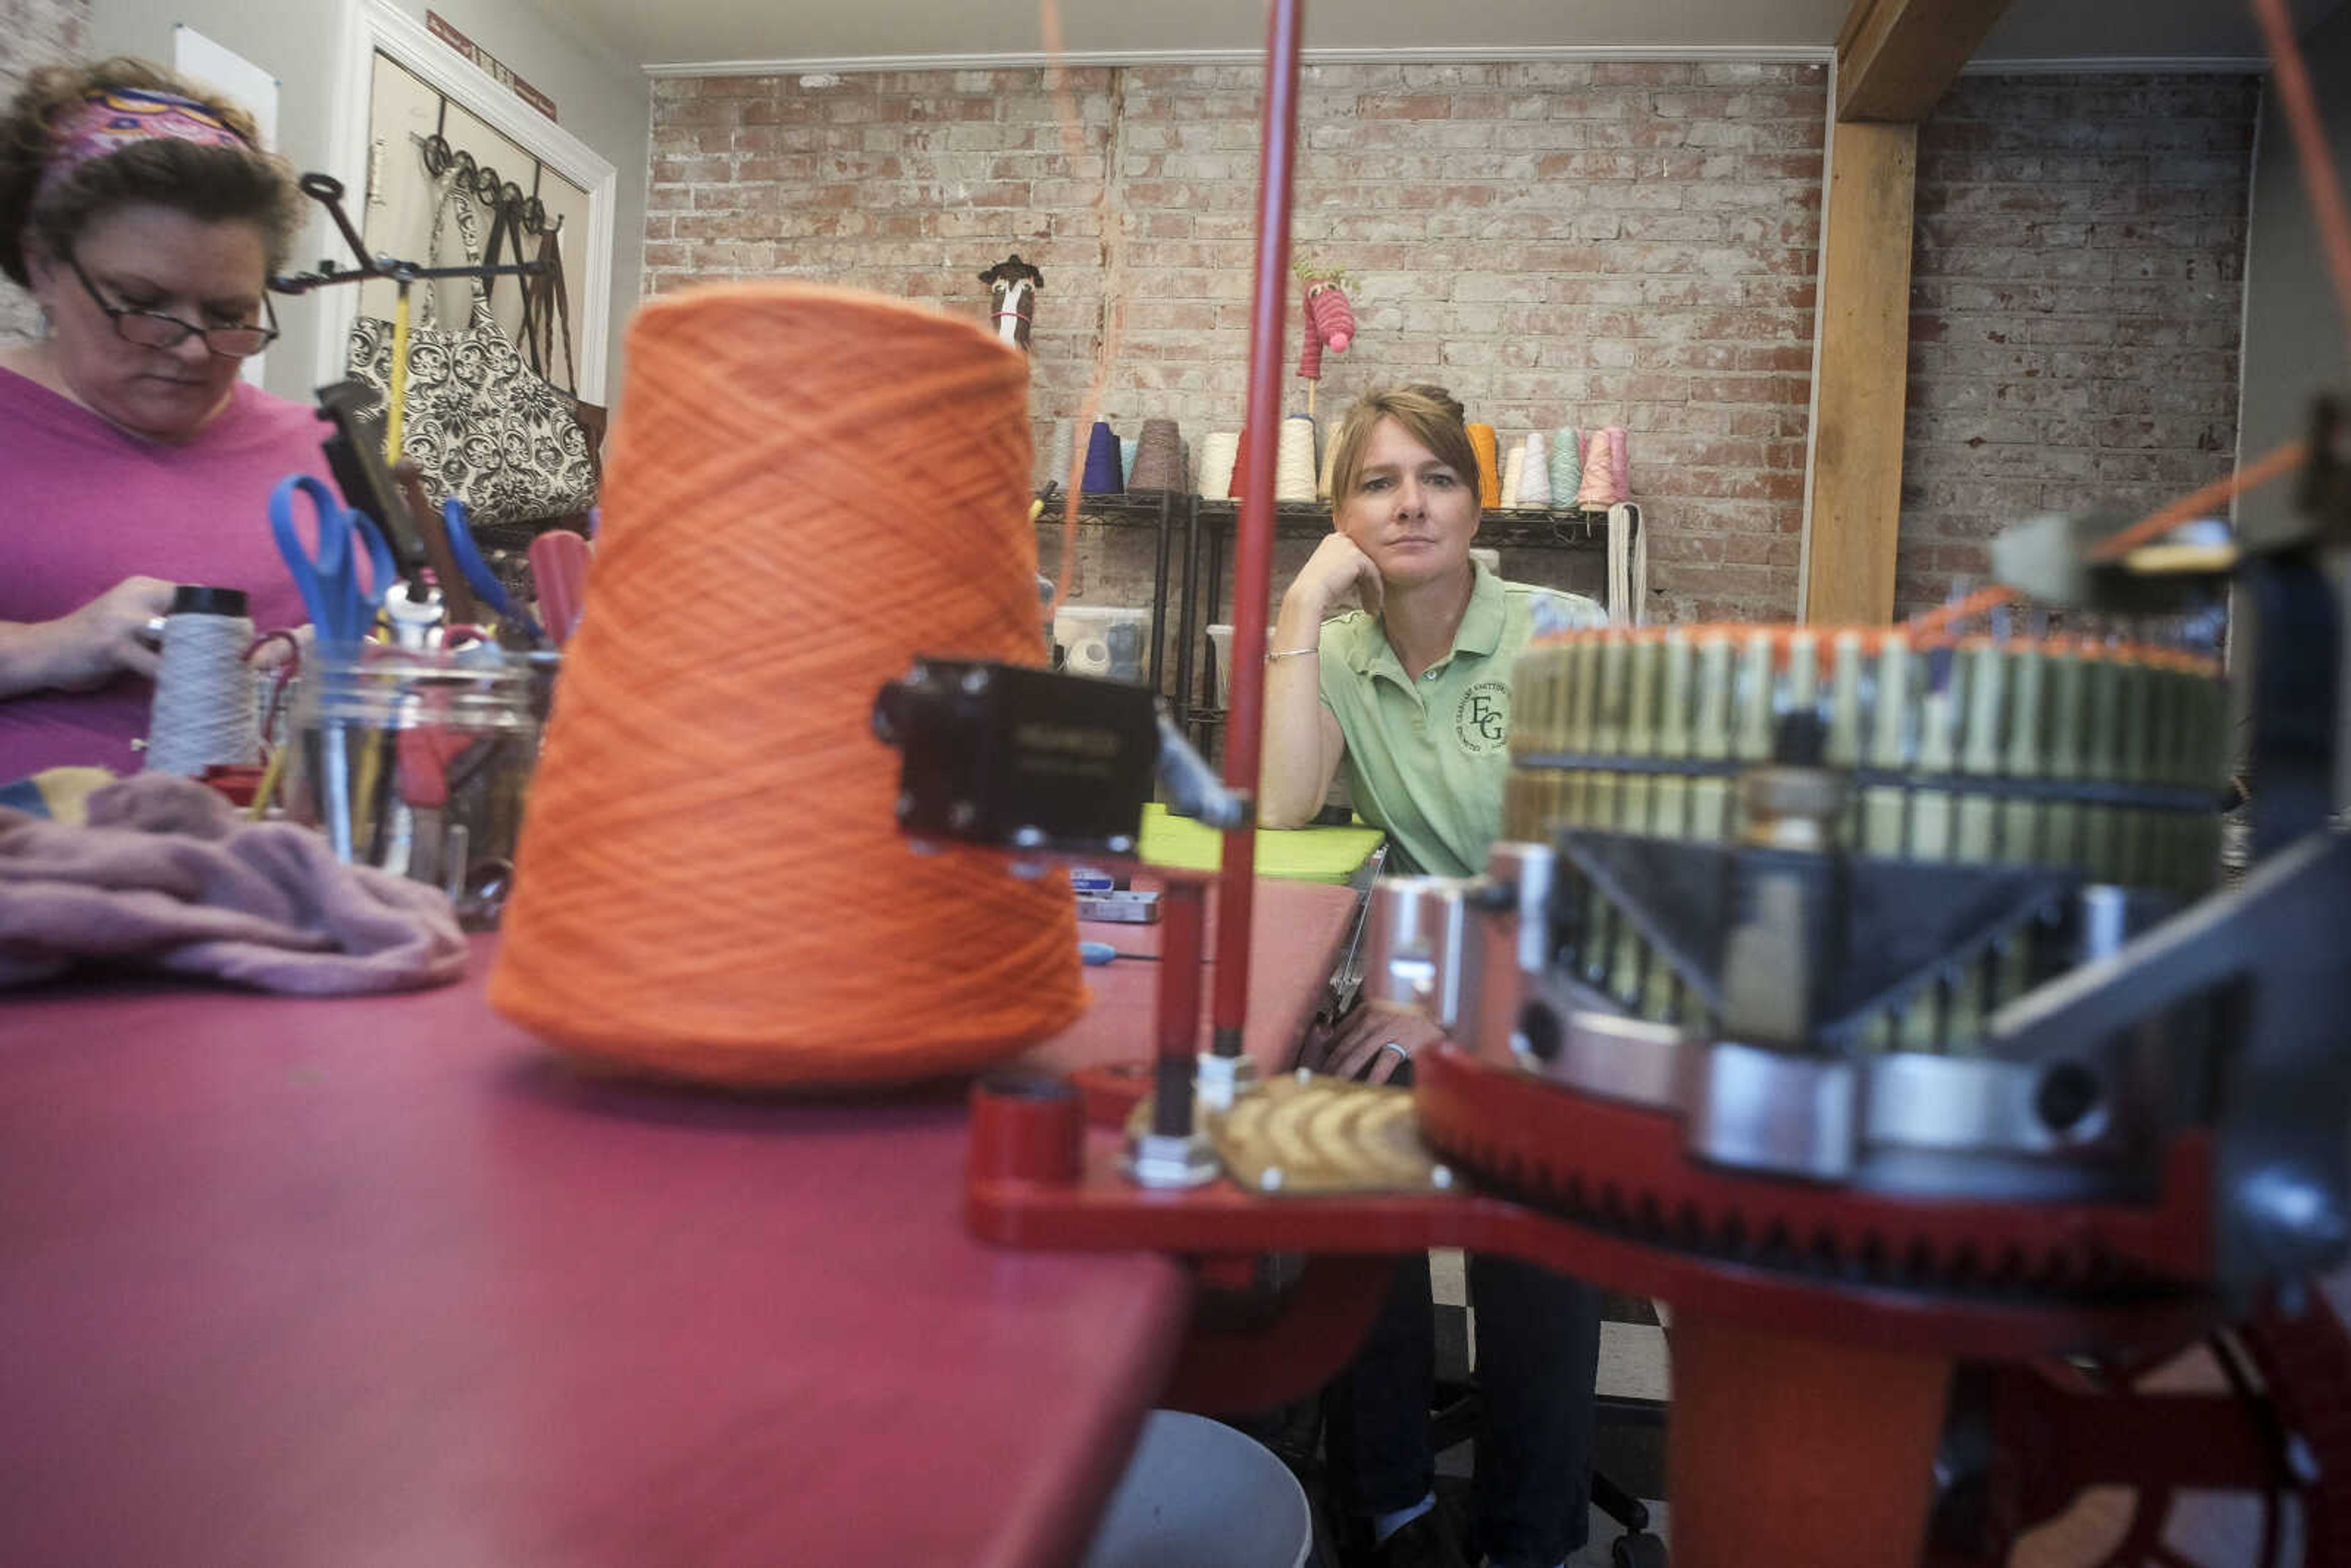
(1483, 720)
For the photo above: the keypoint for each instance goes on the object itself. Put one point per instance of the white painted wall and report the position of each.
(600, 98)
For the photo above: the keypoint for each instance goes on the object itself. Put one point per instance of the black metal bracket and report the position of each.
(328, 191)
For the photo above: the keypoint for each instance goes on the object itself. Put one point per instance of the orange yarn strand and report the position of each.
(1935, 622)
(2310, 146)
(807, 487)
(1114, 317)
(2283, 459)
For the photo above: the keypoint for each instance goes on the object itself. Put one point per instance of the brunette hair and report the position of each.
(212, 184)
(1431, 416)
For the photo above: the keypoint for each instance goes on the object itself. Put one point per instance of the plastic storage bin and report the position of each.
(1105, 640)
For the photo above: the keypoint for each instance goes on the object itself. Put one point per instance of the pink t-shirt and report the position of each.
(83, 505)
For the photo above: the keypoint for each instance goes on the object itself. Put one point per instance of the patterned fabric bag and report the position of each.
(480, 424)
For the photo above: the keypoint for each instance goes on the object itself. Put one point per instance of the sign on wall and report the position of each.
(490, 63)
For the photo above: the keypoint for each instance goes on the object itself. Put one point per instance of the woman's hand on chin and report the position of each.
(1339, 574)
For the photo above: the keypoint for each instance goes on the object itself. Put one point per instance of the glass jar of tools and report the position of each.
(416, 761)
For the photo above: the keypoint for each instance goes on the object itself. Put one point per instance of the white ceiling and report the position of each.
(677, 31)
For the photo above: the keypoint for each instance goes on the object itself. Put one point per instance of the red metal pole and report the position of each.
(1253, 543)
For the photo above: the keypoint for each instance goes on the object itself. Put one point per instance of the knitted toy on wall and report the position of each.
(1330, 321)
(1014, 285)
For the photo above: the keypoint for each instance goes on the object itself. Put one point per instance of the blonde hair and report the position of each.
(1429, 414)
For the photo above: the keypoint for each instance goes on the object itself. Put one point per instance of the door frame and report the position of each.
(372, 26)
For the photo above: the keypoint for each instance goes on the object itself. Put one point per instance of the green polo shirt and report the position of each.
(1427, 759)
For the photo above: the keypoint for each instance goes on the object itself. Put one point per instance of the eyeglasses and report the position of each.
(153, 330)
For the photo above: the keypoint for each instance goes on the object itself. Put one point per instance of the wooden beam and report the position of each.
(1856, 515)
(1896, 58)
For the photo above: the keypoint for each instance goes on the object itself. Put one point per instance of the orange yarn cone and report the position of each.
(1489, 477)
(806, 486)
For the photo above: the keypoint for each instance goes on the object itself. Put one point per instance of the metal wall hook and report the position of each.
(485, 184)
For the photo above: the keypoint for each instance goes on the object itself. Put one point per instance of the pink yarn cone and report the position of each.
(1599, 475)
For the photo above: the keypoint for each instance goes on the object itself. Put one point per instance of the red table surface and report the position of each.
(382, 1282)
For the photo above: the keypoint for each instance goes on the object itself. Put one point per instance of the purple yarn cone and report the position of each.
(1104, 462)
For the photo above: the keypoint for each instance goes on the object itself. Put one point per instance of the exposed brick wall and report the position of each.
(1588, 243)
(1558, 243)
(34, 33)
(2077, 281)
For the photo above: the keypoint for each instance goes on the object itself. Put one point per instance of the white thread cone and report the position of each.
(1514, 468)
(1219, 450)
(1534, 479)
(1294, 475)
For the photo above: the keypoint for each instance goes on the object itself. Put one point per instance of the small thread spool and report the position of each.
(1294, 471)
(1489, 475)
(203, 711)
(1534, 482)
(1127, 445)
(1158, 457)
(1104, 471)
(1220, 453)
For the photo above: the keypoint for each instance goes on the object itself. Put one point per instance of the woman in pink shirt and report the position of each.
(145, 219)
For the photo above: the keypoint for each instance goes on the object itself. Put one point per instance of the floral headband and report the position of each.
(111, 118)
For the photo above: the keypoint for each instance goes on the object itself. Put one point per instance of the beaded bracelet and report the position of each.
(1288, 653)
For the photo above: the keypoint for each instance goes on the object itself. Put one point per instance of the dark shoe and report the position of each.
(1426, 1543)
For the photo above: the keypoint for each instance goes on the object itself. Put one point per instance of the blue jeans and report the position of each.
(1538, 1353)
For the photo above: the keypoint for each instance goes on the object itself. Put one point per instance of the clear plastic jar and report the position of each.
(418, 763)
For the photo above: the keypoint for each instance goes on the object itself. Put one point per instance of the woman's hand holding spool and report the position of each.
(89, 647)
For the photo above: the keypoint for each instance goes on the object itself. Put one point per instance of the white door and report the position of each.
(405, 112)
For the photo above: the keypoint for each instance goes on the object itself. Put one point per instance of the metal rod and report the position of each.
(1182, 920)
(1159, 597)
(1189, 615)
(1253, 543)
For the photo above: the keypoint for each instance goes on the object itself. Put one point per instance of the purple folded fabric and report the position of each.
(167, 876)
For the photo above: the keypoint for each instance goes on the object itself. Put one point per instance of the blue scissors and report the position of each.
(340, 606)
(476, 570)
(478, 573)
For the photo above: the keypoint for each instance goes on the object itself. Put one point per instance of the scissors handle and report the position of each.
(328, 574)
(470, 564)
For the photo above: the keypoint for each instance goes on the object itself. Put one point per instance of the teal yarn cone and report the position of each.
(1566, 464)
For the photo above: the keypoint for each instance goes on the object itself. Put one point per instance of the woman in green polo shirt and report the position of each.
(1410, 691)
